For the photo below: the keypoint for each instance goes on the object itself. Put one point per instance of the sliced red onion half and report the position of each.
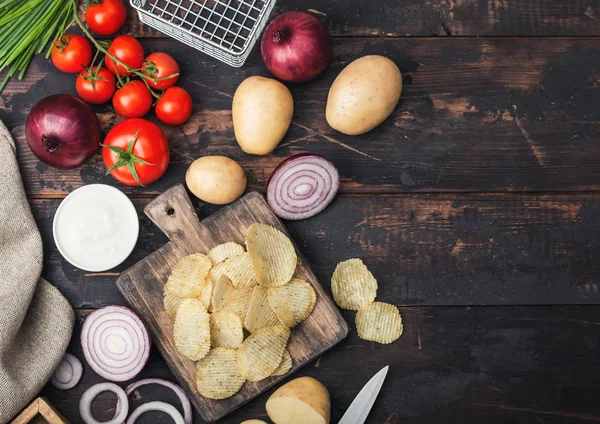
(115, 343)
(156, 406)
(68, 373)
(302, 186)
(85, 403)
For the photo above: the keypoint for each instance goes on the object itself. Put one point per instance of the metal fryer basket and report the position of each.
(224, 29)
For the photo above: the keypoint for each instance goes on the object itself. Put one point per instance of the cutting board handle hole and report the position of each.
(170, 211)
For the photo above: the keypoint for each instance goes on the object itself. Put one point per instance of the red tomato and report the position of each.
(160, 65)
(95, 85)
(71, 53)
(129, 51)
(133, 100)
(138, 144)
(174, 107)
(105, 17)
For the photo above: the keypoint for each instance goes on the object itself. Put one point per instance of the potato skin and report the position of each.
(363, 95)
(216, 179)
(308, 390)
(262, 112)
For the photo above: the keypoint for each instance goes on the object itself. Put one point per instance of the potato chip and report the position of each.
(226, 330)
(239, 270)
(285, 365)
(261, 353)
(217, 271)
(222, 291)
(353, 285)
(293, 302)
(171, 303)
(191, 330)
(239, 302)
(217, 375)
(379, 322)
(273, 255)
(224, 251)
(259, 313)
(206, 293)
(187, 277)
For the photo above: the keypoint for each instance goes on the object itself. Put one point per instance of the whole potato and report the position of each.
(262, 112)
(363, 95)
(301, 401)
(216, 179)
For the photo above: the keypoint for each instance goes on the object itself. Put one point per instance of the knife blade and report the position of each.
(361, 405)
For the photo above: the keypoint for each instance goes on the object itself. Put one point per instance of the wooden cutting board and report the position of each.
(142, 286)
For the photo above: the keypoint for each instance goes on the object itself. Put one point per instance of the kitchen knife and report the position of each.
(361, 405)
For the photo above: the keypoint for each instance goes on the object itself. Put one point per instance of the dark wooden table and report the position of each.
(476, 205)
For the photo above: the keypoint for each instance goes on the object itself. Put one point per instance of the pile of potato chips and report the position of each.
(219, 298)
(354, 288)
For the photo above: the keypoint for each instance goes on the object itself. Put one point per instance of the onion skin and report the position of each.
(296, 47)
(63, 131)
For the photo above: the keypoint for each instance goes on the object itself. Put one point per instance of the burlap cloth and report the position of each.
(36, 321)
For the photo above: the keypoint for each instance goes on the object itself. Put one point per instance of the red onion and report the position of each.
(156, 406)
(68, 373)
(115, 343)
(63, 131)
(85, 403)
(302, 186)
(296, 47)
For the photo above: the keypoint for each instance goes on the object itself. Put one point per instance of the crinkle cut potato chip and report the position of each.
(171, 303)
(293, 302)
(187, 276)
(273, 255)
(191, 330)
(285, 365)
(217, 271)
(239, 270)
(221, 292)
(206, 293)
(379, 322)
(226, 330)
(259, 313)
(239, 302)
(261, 353)
(217, 374)
(353, 285)
(224, 251)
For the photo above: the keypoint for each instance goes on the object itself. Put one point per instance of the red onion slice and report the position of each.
(85, 403)
(68, 373)
(115, 343)
(302, 186)
(156, 406)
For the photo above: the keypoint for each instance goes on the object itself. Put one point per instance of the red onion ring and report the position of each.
(115, 343)
(85, 403)
(302, 186)
(156, 406)
(68, 373)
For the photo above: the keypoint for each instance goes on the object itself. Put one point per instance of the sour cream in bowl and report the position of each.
(96, 227)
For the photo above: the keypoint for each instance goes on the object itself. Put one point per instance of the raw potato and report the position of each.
(292, 303)
(260, 354)
(363, 95)
(216, 179)
(262, 112)
(253, 422)
(301, 401)
(217, 376)
(273, 255)
(379, 322)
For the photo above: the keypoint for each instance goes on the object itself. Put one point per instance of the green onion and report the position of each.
(26, 27)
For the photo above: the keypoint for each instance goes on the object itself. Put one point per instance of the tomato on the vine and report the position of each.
(105, 17)
(160, 65)
(136, 152)
(71, 53)
(133, 100)
(95, 85)
(174, 107)
(129, 51)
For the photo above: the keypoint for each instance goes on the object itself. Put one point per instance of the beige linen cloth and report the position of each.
(36, 321)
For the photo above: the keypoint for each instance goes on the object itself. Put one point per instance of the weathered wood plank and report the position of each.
(423, 249)
(476, 115)
(452, 364)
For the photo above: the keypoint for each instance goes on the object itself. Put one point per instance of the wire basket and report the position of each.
(224, 29)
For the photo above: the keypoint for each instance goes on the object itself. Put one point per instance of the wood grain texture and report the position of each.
(476, 115)
(142, 286)
(423, 249)
(39, 411)
(499, 365)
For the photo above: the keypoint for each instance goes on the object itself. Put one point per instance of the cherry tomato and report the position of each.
(129, 51)
(71, 53)
(133, 100)
(95, 85)
(105, 17)
(138, 144)
(160, 65)
(174, 107)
